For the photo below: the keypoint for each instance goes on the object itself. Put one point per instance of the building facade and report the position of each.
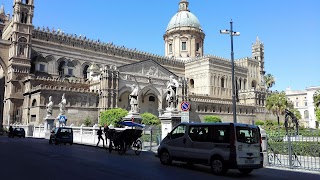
(303, 101)
(94, 76)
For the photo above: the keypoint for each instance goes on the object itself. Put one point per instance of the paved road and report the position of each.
(35, 159)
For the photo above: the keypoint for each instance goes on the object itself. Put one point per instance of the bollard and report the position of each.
(151, 139)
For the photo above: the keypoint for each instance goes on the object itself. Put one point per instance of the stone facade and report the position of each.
(95, 76)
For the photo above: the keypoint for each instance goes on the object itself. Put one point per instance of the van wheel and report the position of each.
(165, 158)
(218, 166)
(245, 171)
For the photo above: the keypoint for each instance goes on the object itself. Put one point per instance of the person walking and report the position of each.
(11, 132)
(99, 133)
(106, 131)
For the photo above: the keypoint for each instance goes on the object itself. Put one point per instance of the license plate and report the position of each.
(65, 137)
(249, 161)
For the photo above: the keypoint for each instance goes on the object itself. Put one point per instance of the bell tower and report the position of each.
(258, 54)
(19, 34)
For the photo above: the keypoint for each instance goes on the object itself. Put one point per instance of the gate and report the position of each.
(151, 138)
(294, 151)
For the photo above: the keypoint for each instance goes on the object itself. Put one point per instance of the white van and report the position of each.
(222, 146)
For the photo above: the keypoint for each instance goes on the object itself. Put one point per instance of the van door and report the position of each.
(247, 145)
(206, 140)
(177, 143)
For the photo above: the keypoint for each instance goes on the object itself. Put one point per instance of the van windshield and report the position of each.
(247, 135)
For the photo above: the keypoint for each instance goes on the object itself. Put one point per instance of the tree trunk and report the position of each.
(278, 123)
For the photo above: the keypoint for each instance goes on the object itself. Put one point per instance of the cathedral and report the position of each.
(94, 76)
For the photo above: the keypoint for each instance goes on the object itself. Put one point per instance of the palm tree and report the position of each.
(269, 80)
(316, 98)
(316, 102)
(277, 103)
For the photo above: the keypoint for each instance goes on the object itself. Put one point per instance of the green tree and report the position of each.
(269, 80)
(316, 99)
(259, 123)
(318, 114)
(296, 113)
(112, 116)
(150, 119)
(316, 102)
(212, 119)
(87, 122)
(277, 103)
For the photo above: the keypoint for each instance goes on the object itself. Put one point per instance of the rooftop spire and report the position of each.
(257, 40)
(183, 5)
(2, 9)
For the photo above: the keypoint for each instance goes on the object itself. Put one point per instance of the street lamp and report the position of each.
(232, 33)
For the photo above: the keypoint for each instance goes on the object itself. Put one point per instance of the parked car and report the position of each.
(221, 146)
(61, 135)
(19, 132)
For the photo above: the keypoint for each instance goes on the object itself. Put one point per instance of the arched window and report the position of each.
(22, 44)
(253, 84)
(61, 68)
(24, 17)
(222, 82)
(85, 72)
(306, 114)
(34, 103)
(191, 83)
(152, 98)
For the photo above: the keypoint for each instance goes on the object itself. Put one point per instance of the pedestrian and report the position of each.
(106, 131)
(10, 132)
(99, 133)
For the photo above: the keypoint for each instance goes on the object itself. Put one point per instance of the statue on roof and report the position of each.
(172, 89)
(134, 98)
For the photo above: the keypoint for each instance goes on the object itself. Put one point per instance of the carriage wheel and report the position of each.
(137, 146)
(122, 147)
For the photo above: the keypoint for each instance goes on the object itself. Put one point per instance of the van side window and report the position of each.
(199, 133)
(220, 134)
(178, 131)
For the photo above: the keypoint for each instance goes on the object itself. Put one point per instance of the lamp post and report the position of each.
(232, 33)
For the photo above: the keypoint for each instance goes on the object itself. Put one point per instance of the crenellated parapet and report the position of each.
(218, 59)
(55, 79)
(43, 87)
(82, 42)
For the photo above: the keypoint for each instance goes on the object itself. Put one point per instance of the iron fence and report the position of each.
(294, 151)
(151, 138)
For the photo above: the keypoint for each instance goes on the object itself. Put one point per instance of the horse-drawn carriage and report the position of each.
(123, 139)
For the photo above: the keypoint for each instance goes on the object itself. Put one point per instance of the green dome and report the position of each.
(184, 19)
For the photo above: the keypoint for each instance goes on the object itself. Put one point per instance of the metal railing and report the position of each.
(294, 151)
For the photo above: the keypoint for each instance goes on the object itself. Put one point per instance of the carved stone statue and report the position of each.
(62, 105)
(134, 98)
(172, 88)
(49, 107)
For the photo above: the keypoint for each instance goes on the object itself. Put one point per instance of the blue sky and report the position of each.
(289, 29)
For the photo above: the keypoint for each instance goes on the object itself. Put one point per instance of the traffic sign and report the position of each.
(185, 116)
(62, 118)
(185, 106)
